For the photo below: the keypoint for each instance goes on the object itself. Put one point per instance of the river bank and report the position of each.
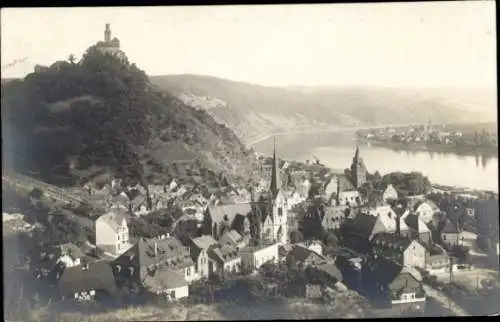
(434, 148)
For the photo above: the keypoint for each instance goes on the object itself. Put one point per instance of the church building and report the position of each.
(358, 170)
(264, 218)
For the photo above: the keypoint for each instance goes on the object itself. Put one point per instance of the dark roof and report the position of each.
(221, 213)
(201, 243)
(334, 212)
(450, 228)
(300, 254)
(387, 270)
(232, 237)
(224, 253)
(331, 270)
(362, 224)
(170, 251)
(391, 241)
(72, 250)
(97, 276)
(164, 279)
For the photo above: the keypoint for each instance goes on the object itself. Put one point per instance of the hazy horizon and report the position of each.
(391, 45)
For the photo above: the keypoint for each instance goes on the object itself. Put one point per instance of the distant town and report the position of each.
(373, 245)
(459, 138)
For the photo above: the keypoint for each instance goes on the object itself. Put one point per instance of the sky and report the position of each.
(432, 44)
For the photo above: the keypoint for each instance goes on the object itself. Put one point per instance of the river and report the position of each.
(336, 150)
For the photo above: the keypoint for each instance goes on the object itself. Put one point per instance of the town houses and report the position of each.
(239, 230)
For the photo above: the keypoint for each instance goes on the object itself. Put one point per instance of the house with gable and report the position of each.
(426, 210)
(71, 255)
(333, 217)
(225, 258)
(400, 285)
(221, 218)
(391, 220)
(199, 254)
(254, 256)
(451, 233)
(149, 255)
(390, 193)
(418, 228)
(234, 238)
(112, 233)
(359, 230)
(399, 248)
(301, 256)
(168, 283)
(86, 282)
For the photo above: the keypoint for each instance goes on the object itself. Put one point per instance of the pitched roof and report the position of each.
(415, 222)
(113, 219)
(431, 203)
(97, 276)
(219, 213)
(450, 228)
(334, 212)
(231, 236)
(387, 270)
(71, 249)
(330, 269)
(204, 242)
(164, 279)
(389, 220)
(224, 253)
(170, 252)
(391, 241)
(300, 253)
(413, 272)
(362, 223)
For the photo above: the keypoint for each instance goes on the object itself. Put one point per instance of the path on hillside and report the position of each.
(445, 301)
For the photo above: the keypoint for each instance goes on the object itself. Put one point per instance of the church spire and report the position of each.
(275, 182)
(356, 154)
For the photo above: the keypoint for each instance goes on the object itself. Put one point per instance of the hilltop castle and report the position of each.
(110, 46)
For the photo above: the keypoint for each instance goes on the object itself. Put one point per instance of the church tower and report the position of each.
(107, 33)
(278, 204)
(275, 175)
(358, 170)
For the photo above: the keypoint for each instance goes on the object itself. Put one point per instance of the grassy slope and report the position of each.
(253, 109)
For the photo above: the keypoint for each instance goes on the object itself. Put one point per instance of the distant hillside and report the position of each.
(251, 110)
(104, 113)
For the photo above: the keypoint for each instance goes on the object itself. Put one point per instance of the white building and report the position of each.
(252, 257)
(348, 197)
(111, 233)
(167, 283)
(426, 210)
(390, 193)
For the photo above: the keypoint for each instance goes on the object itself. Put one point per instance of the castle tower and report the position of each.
(358, 170)
(107, 33)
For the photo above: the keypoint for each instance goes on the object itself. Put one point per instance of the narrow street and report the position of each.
(445, 301)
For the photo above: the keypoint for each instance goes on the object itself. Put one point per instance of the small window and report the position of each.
(188, 271)
(172, 294)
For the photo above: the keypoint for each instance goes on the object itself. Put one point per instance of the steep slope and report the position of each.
(251, 109)
(103, 113)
